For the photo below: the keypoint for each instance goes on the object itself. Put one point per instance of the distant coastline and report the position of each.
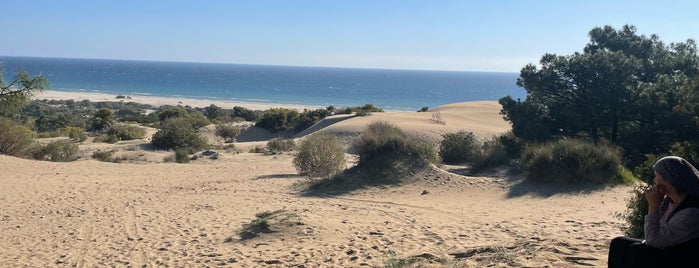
(395, 90)
(159, 101)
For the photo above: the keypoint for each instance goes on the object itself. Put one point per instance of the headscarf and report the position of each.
(679, 173)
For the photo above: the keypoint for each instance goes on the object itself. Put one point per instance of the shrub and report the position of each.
(278, 145)
(493, 154)
(513, 145)
(76, 133)
(228, 132)
(278, 119)
(382, 145)
(103, 118)
(14, 139)
(459, 147)
(126, 132)
(106, 138)
(104, 156)
(178, 133)
(181, 156)
(320, 155)
(58, 151)
(571, 161)
(634, 215)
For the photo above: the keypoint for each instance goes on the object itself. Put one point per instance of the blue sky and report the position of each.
(500, 36)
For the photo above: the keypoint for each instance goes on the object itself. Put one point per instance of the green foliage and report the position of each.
(214, 112)
(247, 114)
(512, 144)
(58, 151)
(366, 109)
(172, 112)
(126, 132)
(104, 156)
(279, 145)
(492, 154)
(278, 119)
(102, 119)
(18, 92)
(320, 155)
(178, 133)
(106, 138)
(228, 132)
(386, 151)
(14, 139)
(571, 161)
(459, 147)
(181, 156)
(634, 215)
(632, 90)
(76, 133)
(309, 117)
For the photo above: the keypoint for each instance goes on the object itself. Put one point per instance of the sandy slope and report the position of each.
(94, 214)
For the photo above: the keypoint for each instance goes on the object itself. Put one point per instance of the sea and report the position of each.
(389, 89)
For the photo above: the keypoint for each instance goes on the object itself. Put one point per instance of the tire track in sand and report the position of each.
(138, 256)
(86, 228)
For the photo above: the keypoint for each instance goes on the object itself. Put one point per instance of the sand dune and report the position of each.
(146, 214)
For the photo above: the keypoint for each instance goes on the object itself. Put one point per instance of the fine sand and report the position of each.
(147, 213)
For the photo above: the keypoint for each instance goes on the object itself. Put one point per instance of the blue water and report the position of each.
(401, 90)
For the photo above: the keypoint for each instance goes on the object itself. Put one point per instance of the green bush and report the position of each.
(382, 146)
(14, 139)
(634, 215)
(278, 119)
(76, 133)
(459, 147)
(513, 145)
(178, 133)
(104, 156)
(278, 145)
(181, 156)
(58, 151)
(571, 161)
(126, 132)
(228, 132)
(493, 154)
(103, 118)
(106, 139)
(320, 155)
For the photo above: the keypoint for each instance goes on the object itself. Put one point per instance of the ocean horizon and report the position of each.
(390, 89)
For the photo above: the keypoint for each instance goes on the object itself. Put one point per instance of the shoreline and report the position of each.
(160, 101)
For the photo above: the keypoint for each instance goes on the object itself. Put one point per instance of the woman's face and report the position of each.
(662, 184)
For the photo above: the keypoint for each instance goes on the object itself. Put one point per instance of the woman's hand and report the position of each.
(654, 196)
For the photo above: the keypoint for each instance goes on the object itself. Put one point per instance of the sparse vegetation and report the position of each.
(178, 133)
(459, 147)
(572, 161)
(280, 145)
(320, 155)
(104, 156)
(387, 153)
(264, 223)
(58, 151)
(14, 139)
(126, 132)
(228, 132)
(181, 156)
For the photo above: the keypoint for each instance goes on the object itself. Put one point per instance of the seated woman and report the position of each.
(671, 226)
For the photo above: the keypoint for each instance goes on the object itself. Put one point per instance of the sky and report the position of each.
(492, 35)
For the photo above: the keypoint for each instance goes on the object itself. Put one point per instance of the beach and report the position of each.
(149, 213)
(159, 101)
